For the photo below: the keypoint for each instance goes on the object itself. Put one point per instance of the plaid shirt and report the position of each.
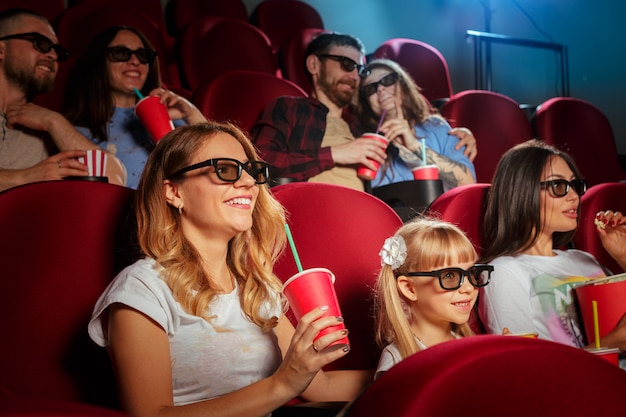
(289, 137)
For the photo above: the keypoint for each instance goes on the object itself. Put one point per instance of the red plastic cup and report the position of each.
(426, 172)
(610, 355)
(610, 294)
(96, 161)
(364, 172)
(313, 288)
(154, 117)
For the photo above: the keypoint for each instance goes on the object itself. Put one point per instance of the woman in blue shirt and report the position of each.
(119, 60)
(409, 118)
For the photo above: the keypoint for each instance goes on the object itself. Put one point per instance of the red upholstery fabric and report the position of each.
(607, 196)
(153, 9)
(186, 11)
(426, 65)
(291, 57)
(343, 230)
(464, 207)
(89, 18)
(62, 243)
(497, 122)
(221, 99)
(48, 8)
(226, 44)
(494, 376)
(581, 129)
(280, 19)
(30, 407)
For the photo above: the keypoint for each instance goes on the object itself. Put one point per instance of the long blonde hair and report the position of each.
(251, 254)
(430, 243)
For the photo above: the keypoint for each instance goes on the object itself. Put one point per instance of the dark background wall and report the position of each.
(593, 31)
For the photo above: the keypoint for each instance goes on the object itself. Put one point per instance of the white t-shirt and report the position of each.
(530, 293)
(209, 359)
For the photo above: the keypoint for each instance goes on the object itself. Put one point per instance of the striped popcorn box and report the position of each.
(96, 161)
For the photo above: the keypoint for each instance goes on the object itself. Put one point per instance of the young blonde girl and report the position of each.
(426, 289)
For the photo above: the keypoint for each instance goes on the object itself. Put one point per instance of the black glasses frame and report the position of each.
(347, 64)
(557, 190)
(471, 275)
(257, 169)
(42, 44)
(387, 80)
(123, 54)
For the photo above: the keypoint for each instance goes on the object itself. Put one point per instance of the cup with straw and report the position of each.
(153, 116)
(425, 171)
(609, 354)
(366, 173)
(312, 288)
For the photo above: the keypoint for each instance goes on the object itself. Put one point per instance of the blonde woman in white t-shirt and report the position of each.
(198, 326)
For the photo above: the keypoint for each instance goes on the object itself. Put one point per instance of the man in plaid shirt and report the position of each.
(312, 138)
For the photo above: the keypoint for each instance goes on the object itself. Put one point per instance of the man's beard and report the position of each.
(338, 97)
(27, 82)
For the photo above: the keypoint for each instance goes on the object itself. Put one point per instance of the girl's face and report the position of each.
(434, 305)
(127, 75)
(213, 208)
(558, 214)
(384, 97)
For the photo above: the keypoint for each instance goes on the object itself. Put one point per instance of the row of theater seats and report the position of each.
(570, 124)
(209, 38)
(54, 264)
(271, 40)
(497, 121)
(277, 18)
(218, 42)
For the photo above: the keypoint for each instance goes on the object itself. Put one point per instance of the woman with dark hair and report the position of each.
(408, 117)
(531, 214)
(100, 99)
(198, 327)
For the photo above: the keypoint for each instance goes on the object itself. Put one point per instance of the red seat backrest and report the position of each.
(87, 19)
(186, 11)
(600, 197)
(48, 8)
(496, 121)
(464, 207)
(341, 229)
(496, 376)
(291, 57)
(153, 9)
(280, 19)
(62, 243)
(227, 44)
(221, 99)
(582, 130)
(426, 65)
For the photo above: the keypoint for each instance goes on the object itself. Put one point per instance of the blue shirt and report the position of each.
(128, 140)
(435, 130)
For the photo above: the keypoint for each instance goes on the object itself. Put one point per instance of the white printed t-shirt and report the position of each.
(531, 293)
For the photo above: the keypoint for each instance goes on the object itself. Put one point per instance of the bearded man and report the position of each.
(313, 138)
(36, 144)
